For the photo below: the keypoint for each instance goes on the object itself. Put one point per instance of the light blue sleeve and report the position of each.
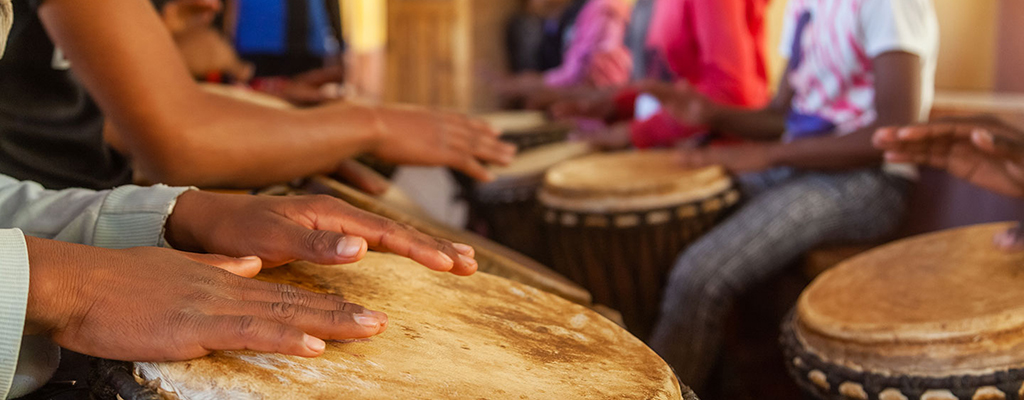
(13, 303)
(129, 216)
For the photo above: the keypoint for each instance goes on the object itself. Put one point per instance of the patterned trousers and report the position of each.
(787, 213)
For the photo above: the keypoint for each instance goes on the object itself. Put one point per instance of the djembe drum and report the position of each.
(508, 205)
(449, 338)
(935, 317)
(527, 129)
(616, 223)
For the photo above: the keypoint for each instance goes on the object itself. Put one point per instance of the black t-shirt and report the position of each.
(51, 130)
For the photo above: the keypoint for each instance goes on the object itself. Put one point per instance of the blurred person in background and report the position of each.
(714, 47)
(583, 46)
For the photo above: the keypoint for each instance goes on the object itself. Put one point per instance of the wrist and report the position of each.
(776, 154)
(53, 295)
(183, 228)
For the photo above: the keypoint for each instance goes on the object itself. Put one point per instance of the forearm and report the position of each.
(221, 142)
(765, 124)
(176, 132)
(829, 153)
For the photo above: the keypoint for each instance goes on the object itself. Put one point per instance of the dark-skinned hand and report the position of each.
(418, 136)
(984, 151)
(155, 304)
(318, 229)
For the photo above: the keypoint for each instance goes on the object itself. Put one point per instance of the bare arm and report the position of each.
(180, 135)
(768, 123)
(686, 104)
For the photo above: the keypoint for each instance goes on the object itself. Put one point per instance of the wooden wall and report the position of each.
(439, 50)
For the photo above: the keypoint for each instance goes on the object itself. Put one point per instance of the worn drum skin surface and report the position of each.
(449, 337)
(940, 316)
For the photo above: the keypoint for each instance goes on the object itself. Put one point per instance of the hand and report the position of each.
(315, 87)
(153, 304)
(613, 137)
(183, 15)
(749, 157)
(989, 155)
(318, 229)
(594, 104)
(413, 135)
(682, 101)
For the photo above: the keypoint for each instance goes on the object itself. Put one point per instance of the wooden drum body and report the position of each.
(508, 205)
(616, 223)
(935, 317)
(449, 338)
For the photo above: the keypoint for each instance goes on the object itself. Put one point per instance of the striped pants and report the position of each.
(787, 213)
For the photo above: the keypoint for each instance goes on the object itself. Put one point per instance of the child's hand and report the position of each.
(319, 229)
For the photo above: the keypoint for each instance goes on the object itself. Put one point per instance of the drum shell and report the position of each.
(828, 381)
(529, 139)
(511, 216)
(624, 259)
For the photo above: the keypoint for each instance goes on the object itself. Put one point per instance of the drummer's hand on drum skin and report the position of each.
(738, 159)
(418, 136)
(987, 154)
(155, 304)
(319, 229)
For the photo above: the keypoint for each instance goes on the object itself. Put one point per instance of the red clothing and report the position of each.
(718, 47)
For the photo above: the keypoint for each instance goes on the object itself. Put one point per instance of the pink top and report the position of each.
(597, 53)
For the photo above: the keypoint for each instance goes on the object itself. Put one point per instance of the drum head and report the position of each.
(942, 303)
(515, 121)
(528, 168)
(628, 181)
(246, 95)
(448, 337)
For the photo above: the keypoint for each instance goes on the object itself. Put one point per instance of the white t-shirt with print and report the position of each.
(835, 80)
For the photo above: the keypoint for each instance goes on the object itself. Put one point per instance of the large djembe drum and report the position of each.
(449, 337)
(508, 205)
(615, 223)
(935, 317)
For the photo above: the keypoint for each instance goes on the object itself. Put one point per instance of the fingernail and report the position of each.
(467, 260)
(350, 246)
(366, 319)
(463, 248)
(315, 344)
(249, 258)
(446, 258)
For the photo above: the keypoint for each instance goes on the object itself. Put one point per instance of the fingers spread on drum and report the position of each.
(273, 292)
(215, 333)
(386, 235)
(353, 322)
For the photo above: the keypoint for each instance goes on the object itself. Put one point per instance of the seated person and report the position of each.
(59, 292)
(809, 171)
(714, 46)
(590, 48)
(69, 68)
(982, 150)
